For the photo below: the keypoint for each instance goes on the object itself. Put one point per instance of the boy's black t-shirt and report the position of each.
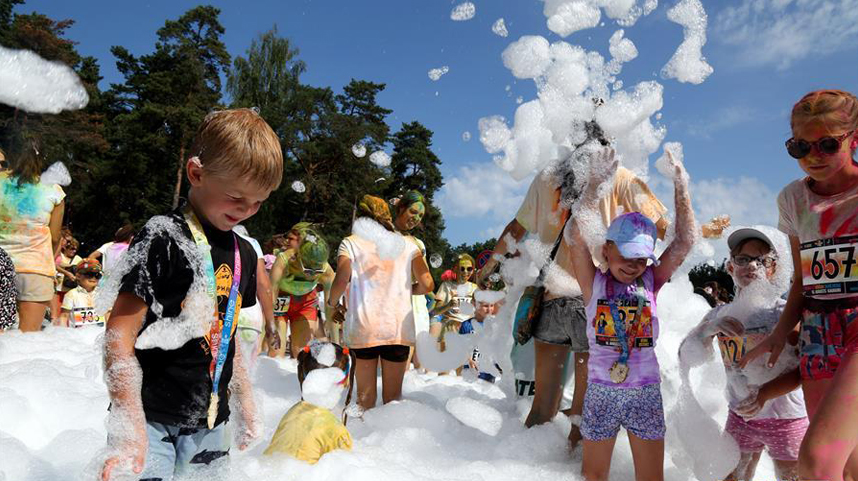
(177, 386)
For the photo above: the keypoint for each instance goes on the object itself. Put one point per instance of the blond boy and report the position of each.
(171, 418)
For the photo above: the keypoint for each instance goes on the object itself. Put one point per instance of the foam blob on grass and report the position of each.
(29, 82)
(475, 414)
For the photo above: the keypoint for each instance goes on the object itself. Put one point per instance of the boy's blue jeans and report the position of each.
(175, 451)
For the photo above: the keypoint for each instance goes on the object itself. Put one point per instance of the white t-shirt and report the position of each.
(458, 295)
(757, 327)
(827, 228)
(111, 252)
(81, 307)
(379, 297)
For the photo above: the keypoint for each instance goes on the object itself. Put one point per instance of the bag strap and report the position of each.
(553, 251)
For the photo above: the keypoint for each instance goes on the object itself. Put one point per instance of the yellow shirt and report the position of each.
(307, 432)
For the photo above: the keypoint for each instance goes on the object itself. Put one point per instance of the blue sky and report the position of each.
(766, 54)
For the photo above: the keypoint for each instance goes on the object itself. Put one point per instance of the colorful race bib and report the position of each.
(85, 316)
(281, 306)
(828, 266)
(603, 323)
(733, 348)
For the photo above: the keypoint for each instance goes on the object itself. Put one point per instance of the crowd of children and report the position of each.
(197, 276)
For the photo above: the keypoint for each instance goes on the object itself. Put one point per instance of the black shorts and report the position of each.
(390, 353)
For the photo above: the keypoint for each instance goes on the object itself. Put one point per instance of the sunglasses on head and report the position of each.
(743, 260)
(800, 148)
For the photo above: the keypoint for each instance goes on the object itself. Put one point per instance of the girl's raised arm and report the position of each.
(686, 226)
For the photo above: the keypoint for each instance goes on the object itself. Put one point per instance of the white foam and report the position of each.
(380, 158)
(298, 187)
(688, 63)
(436, 73)
(389, 245)
(458, 349)
(528, 57)
(359, 150)
(466, 136)
(435, 261)
(321, 387)
(489, 297)
(56, 174)
(622, 49)
(475, 414)
(573, 16)
(499, 28)
(463, 11)
(29, 82)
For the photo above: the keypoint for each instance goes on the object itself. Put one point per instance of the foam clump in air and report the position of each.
(463, 11)
(436, 73)
(56, 174)
(570, 17)
(474, 414)
(380, 158)
(298, 186)
(466, 136)
(622, 49)
(31, 83)
(688, 64)
(359, 150)
(389, 245)
(435, 261)
(322, 387)
(527, 57)
(499, 28)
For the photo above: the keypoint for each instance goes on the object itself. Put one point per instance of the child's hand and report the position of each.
(130, 452)
(272, 335)
(773, 344)
(751, 405)
(603, 166)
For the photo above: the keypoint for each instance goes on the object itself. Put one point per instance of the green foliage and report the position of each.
(127, 149)
(703, 273)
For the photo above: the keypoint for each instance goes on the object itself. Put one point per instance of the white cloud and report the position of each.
(482, 192)
(780, 32)
(747, 200)
(723, 119)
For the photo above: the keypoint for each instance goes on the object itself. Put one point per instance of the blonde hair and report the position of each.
(836, 109)
(237, 144)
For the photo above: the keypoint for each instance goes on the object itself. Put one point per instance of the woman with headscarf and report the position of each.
(297, 275)
(378, 266)
(409, 209)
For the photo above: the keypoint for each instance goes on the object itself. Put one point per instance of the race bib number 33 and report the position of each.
(829, 266)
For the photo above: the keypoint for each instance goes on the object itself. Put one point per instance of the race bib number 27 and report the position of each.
(829, 266)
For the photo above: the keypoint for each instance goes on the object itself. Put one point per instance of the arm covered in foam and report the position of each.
(250, 424)
(686, 226)
(127, 441)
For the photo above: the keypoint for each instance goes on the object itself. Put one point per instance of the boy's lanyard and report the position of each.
(220, 335)
(620, 369)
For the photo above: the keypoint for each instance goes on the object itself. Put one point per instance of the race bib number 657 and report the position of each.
(829, 266)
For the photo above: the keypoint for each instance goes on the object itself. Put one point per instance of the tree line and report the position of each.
(126, 150)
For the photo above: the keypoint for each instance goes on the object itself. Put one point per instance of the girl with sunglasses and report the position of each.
(296, 277)
(454, 302)
(819, 213)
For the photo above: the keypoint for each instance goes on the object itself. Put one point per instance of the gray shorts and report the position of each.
(563, 321)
